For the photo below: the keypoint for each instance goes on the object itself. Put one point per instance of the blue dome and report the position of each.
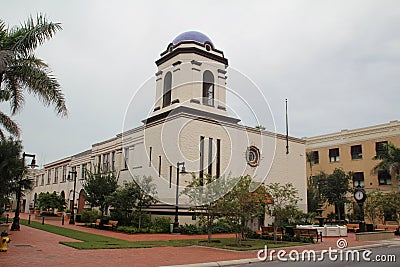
(197, 37)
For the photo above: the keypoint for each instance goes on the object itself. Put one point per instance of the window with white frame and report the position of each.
(126, 157)
(64, 174)
(55, 175)
(358, 179)
(48, 176)
(334, 155)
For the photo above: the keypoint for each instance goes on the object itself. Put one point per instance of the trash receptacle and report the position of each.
(171, 228)
(370, 227)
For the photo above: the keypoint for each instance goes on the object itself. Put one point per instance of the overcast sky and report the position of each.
(337, 62)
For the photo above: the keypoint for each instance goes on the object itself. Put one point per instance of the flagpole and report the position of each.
(287, 129)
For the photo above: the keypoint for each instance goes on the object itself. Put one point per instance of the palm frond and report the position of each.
(2, 135)
(9, 125)
(33, 33)
(38, 81)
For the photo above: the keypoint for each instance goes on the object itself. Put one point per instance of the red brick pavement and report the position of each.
(38, 248)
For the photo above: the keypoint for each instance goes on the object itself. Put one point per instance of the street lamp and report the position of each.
(72, 218)
(15, 225)
(183, 171)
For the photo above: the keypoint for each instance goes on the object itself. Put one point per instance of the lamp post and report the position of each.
(183, 171)
(15, 225)
(72, 218)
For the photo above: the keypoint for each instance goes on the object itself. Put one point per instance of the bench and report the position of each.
(385, 227)
(353, 227)
(96, 224)
(111, 224)
(307, 233)
(270, 230)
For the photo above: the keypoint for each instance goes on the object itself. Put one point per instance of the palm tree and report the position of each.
(21, 70)
(390, 162)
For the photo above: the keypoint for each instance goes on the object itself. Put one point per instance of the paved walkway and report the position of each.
(38, 248)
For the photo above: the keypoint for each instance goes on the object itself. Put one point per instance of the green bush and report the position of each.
(192, 229)
(161, 224)
(127, 229)
(89, 216)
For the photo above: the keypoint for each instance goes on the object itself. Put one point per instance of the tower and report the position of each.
(191, 74)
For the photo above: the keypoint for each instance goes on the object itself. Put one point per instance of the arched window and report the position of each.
(208, 88)
(167, 89)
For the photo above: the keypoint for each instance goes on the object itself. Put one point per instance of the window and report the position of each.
(356, 152)
(253, 156)
(113, 161)
(126, 157)
(106, 162)
(314, 157)
(210, 155)
(37, 180)
(64, 174)
(84, 171)
(358, 179)
(208, 88)
(159, 166)
(380, 147)
(151, 150)
(334, 155)
(201, 174)
(170, 176)
(167, 89)
(218, 163)
(98, 163)
(48, 176)
(55, 175)
(42, 180)
(384, 178)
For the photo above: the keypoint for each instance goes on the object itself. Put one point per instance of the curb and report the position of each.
(256, 260)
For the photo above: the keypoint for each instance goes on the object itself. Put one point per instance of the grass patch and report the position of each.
(248, 244)
(92, 241)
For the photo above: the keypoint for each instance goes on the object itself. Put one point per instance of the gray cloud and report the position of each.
(336, 61)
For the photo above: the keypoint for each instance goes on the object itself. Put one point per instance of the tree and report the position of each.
(12, 171)
(335, 187)
(98, 187)
(51, 201)
(145, 195)
(390, 162)
(136, 195)
(282, 203)
(203, 193)
(391, 203)
(374, 205)
(240, 205)
(21, 70)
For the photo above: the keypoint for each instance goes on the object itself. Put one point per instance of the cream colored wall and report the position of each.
(366, 137)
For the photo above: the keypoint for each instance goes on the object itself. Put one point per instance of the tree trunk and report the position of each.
(275, 229)
(140, 218)
(209, 228)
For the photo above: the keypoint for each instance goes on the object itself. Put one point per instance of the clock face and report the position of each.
(358, 195)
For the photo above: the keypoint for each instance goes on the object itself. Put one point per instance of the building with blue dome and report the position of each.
(189, 126)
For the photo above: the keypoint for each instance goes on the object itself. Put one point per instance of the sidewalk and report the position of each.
(38, 248)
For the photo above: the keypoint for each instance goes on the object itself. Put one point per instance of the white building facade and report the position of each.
(189, 123)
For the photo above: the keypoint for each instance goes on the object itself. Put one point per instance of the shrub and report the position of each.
(89, 216)
(127, 229)
(161, 224)
(191, 229)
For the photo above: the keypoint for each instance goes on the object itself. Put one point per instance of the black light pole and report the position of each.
(72, 218)
(176, 221)
(15, 225)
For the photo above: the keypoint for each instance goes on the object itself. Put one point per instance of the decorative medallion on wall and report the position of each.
(253, 156)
